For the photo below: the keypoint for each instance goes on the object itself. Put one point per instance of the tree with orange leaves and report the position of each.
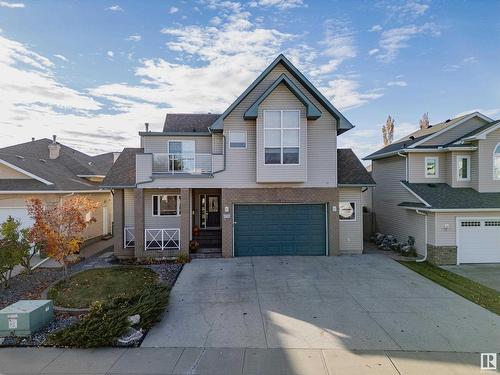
(58, 230)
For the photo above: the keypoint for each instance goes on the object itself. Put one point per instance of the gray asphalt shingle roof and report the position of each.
(443, 196)
(33, 157)
(122, 173)
(350, 169)
(189, 122)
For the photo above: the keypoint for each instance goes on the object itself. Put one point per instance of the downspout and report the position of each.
(425, 245)
(406, 165)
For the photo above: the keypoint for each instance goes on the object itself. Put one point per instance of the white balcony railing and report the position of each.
(162, 239)
(128, 237)
(182, 163)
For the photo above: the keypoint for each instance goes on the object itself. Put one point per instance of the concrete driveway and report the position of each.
(365, 302)
(486, 274)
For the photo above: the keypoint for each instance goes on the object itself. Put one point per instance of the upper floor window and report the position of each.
(181, 156)
(166, 205)
(281, 137)
(496, 163)
(237, 139)
(431, 166)
(463, 168)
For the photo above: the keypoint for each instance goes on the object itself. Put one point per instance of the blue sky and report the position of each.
(93, 72)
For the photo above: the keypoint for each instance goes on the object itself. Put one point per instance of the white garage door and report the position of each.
(20, 214)
(479, 240)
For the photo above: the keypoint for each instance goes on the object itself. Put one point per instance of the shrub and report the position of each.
(106, 322)
(183, 259)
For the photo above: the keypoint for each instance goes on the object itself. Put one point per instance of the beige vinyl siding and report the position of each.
(351, 232)
(446, 225)
(416, 167)
(159, 222)
(455, 132)
(144, 168)
(93, 230)
(7, 172)
(241, 165)
(280, 99)
(128, 208)
(152, 144)
(389, 218)
(485, 151)
(474, 170)
(217, 144)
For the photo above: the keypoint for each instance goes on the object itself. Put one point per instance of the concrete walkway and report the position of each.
(217, 361)
(486, 274)
(365, 302)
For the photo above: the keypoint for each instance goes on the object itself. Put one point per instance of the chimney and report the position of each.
(54, 149)
(146, 125)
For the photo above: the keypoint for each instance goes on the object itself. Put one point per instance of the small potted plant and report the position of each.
(194, 245)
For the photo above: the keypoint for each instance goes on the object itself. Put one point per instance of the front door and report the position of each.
(209, 211)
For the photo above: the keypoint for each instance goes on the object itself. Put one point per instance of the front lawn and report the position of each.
(475, 292)
(101, 284)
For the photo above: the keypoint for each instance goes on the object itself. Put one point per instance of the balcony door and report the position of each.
(209, 211)
(181, 156)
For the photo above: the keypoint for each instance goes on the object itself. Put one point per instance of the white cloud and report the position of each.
(466, 61)
(6, 4)
(110, 54)
(375, 28)
(173, 10)
(393, 40)
(408, 9)
(345, 93)
(115, 8)
(373, 51)
(280, 4)
(397, 83)
(61, 57)
(134, 38)
(470, 60)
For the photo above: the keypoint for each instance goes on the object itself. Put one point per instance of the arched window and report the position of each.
(496, 163)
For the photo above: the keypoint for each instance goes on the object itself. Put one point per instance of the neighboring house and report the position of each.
(263, 178)
(51, 171)
(441, 185)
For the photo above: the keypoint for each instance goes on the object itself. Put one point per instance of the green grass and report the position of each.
(101, 284)
(475, 292)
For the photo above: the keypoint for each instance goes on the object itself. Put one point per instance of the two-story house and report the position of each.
(441, 185)
(263, 178)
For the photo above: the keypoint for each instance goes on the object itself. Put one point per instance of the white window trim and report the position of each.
(168, 195)
(246, 140)
(459, 157)
(495, 155)
(428, 158)
(281, 136)
(355, 213)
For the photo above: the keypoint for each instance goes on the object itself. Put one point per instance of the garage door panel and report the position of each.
(479, 240)
(280, 229)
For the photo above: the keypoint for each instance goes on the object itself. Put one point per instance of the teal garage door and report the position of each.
(279, 229)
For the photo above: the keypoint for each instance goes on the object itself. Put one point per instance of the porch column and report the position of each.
(186, 208)
(334, 226)
(118, 222)
(139, 222)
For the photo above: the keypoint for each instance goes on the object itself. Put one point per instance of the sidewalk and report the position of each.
(232, 361)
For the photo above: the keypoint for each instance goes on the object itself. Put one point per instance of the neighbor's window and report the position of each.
(496, 163)
(237, 139)
(463, 168)
(431, 166)
(166, 205)
(347, 211)
(281, 137)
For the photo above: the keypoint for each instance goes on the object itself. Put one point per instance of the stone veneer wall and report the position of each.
(280, 195)
(441, 255)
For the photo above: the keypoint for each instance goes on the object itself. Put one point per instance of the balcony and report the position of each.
(192, 164)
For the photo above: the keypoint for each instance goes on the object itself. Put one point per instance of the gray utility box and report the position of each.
(25, 317)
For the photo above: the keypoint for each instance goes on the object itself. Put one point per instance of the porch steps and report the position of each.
(204, 253)
(210, 239)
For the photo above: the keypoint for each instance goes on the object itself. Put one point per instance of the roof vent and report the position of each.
(412, 137)
(43, 161)
(91, 163)
(431, 185)
(20, 157)
(448, 120)
(430, 126)
(146, 126)
(32, 139)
